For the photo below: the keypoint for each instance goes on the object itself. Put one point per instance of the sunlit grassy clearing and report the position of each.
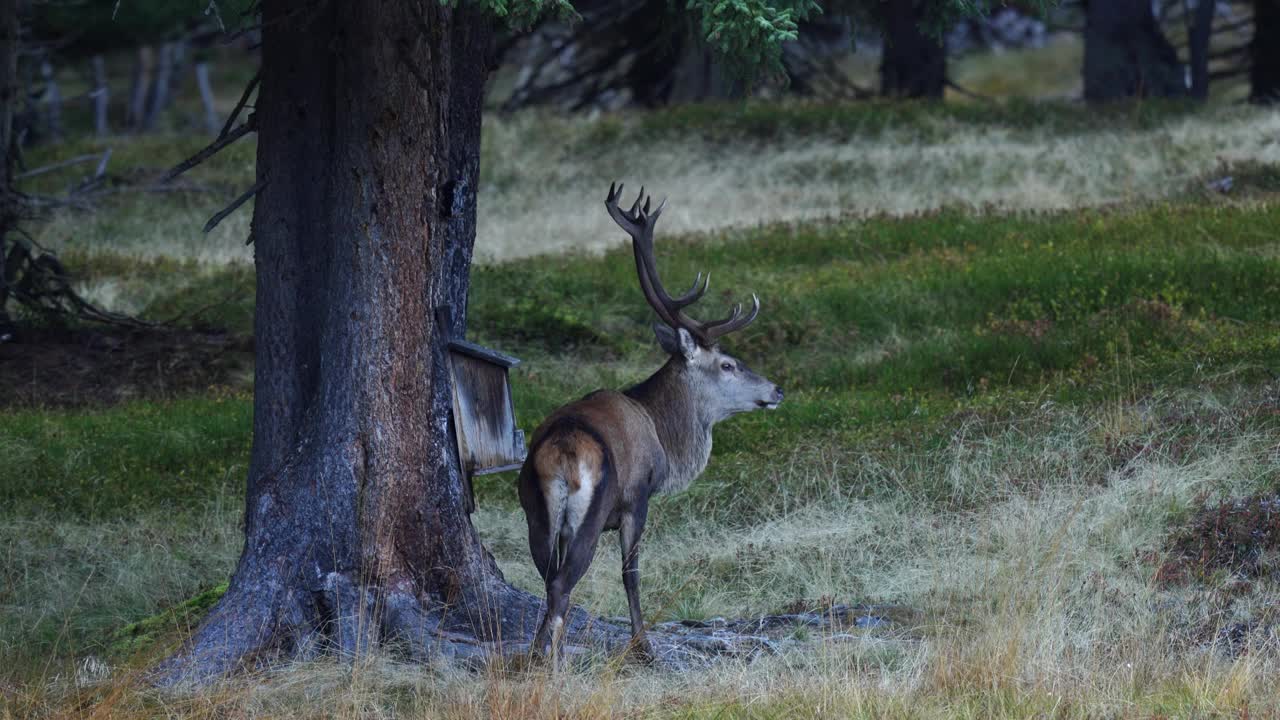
(544, 177)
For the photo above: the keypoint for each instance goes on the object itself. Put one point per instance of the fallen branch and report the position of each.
(44, 169)
(101, 170)
(41, 283)
(174, 188)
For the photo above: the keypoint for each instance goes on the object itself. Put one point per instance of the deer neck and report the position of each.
(682, 423)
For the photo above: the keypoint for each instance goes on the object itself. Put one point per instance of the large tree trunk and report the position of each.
(1126, 55)
(355, 520)
(914, 63)
(1264, 52)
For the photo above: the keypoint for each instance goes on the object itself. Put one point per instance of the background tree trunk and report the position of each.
(637, 52)
(101, 97)
(1199, 32)
(355, 520)
(211, 122)
(913, 64)
(9, 92)
(697, 75)
(162, 86)
(52, 101)
(1126, 54)
(142, 72)
(1264, 52)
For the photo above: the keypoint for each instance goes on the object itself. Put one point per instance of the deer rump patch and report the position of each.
(570, 466)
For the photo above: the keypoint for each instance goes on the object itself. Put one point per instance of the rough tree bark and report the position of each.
(355, 527)
(914, 63)
(1126, 55)
(1264, 52)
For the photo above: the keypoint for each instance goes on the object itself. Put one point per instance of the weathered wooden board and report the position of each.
(484, 416)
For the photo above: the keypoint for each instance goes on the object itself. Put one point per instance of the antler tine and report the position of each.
(733, 323)
(640, 228)
(639, 222)
(694, 293)
(657, 211)
(636, 205)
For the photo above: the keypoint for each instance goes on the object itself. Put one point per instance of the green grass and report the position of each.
(122, 460)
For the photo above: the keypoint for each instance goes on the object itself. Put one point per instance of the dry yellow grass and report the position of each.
(1040, 601)
(543, 199)
(542, 192)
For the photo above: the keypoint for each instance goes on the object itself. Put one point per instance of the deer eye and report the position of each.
(727, 367)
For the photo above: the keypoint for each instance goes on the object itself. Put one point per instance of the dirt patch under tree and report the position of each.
(77, 367)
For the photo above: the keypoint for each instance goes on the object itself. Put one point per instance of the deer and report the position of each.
(594, 464)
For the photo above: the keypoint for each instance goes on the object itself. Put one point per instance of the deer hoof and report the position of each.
(641, 651)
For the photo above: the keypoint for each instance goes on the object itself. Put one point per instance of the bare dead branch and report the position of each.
(209, 151)
(101, 171)
(213, 10)
(56, 166)
(235, 204)
(244, 98)
(171, 188)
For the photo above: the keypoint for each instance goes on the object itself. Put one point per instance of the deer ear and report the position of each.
(667, 339)
(676, 342)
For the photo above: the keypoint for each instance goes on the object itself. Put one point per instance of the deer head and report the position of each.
(714, 377)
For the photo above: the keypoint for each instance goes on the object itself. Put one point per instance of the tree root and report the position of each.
(355, 621)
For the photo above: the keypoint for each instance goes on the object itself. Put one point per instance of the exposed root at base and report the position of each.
(355, 623)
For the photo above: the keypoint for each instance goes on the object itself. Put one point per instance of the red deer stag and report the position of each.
(594, 463)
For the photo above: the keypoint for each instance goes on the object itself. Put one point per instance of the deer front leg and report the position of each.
(630, 529)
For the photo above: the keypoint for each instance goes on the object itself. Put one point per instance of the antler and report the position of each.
(639, 222)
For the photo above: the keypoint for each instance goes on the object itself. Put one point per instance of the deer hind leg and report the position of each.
(584, 520)
(630, 529)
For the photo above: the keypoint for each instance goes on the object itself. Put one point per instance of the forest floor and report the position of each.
(1032, 365)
